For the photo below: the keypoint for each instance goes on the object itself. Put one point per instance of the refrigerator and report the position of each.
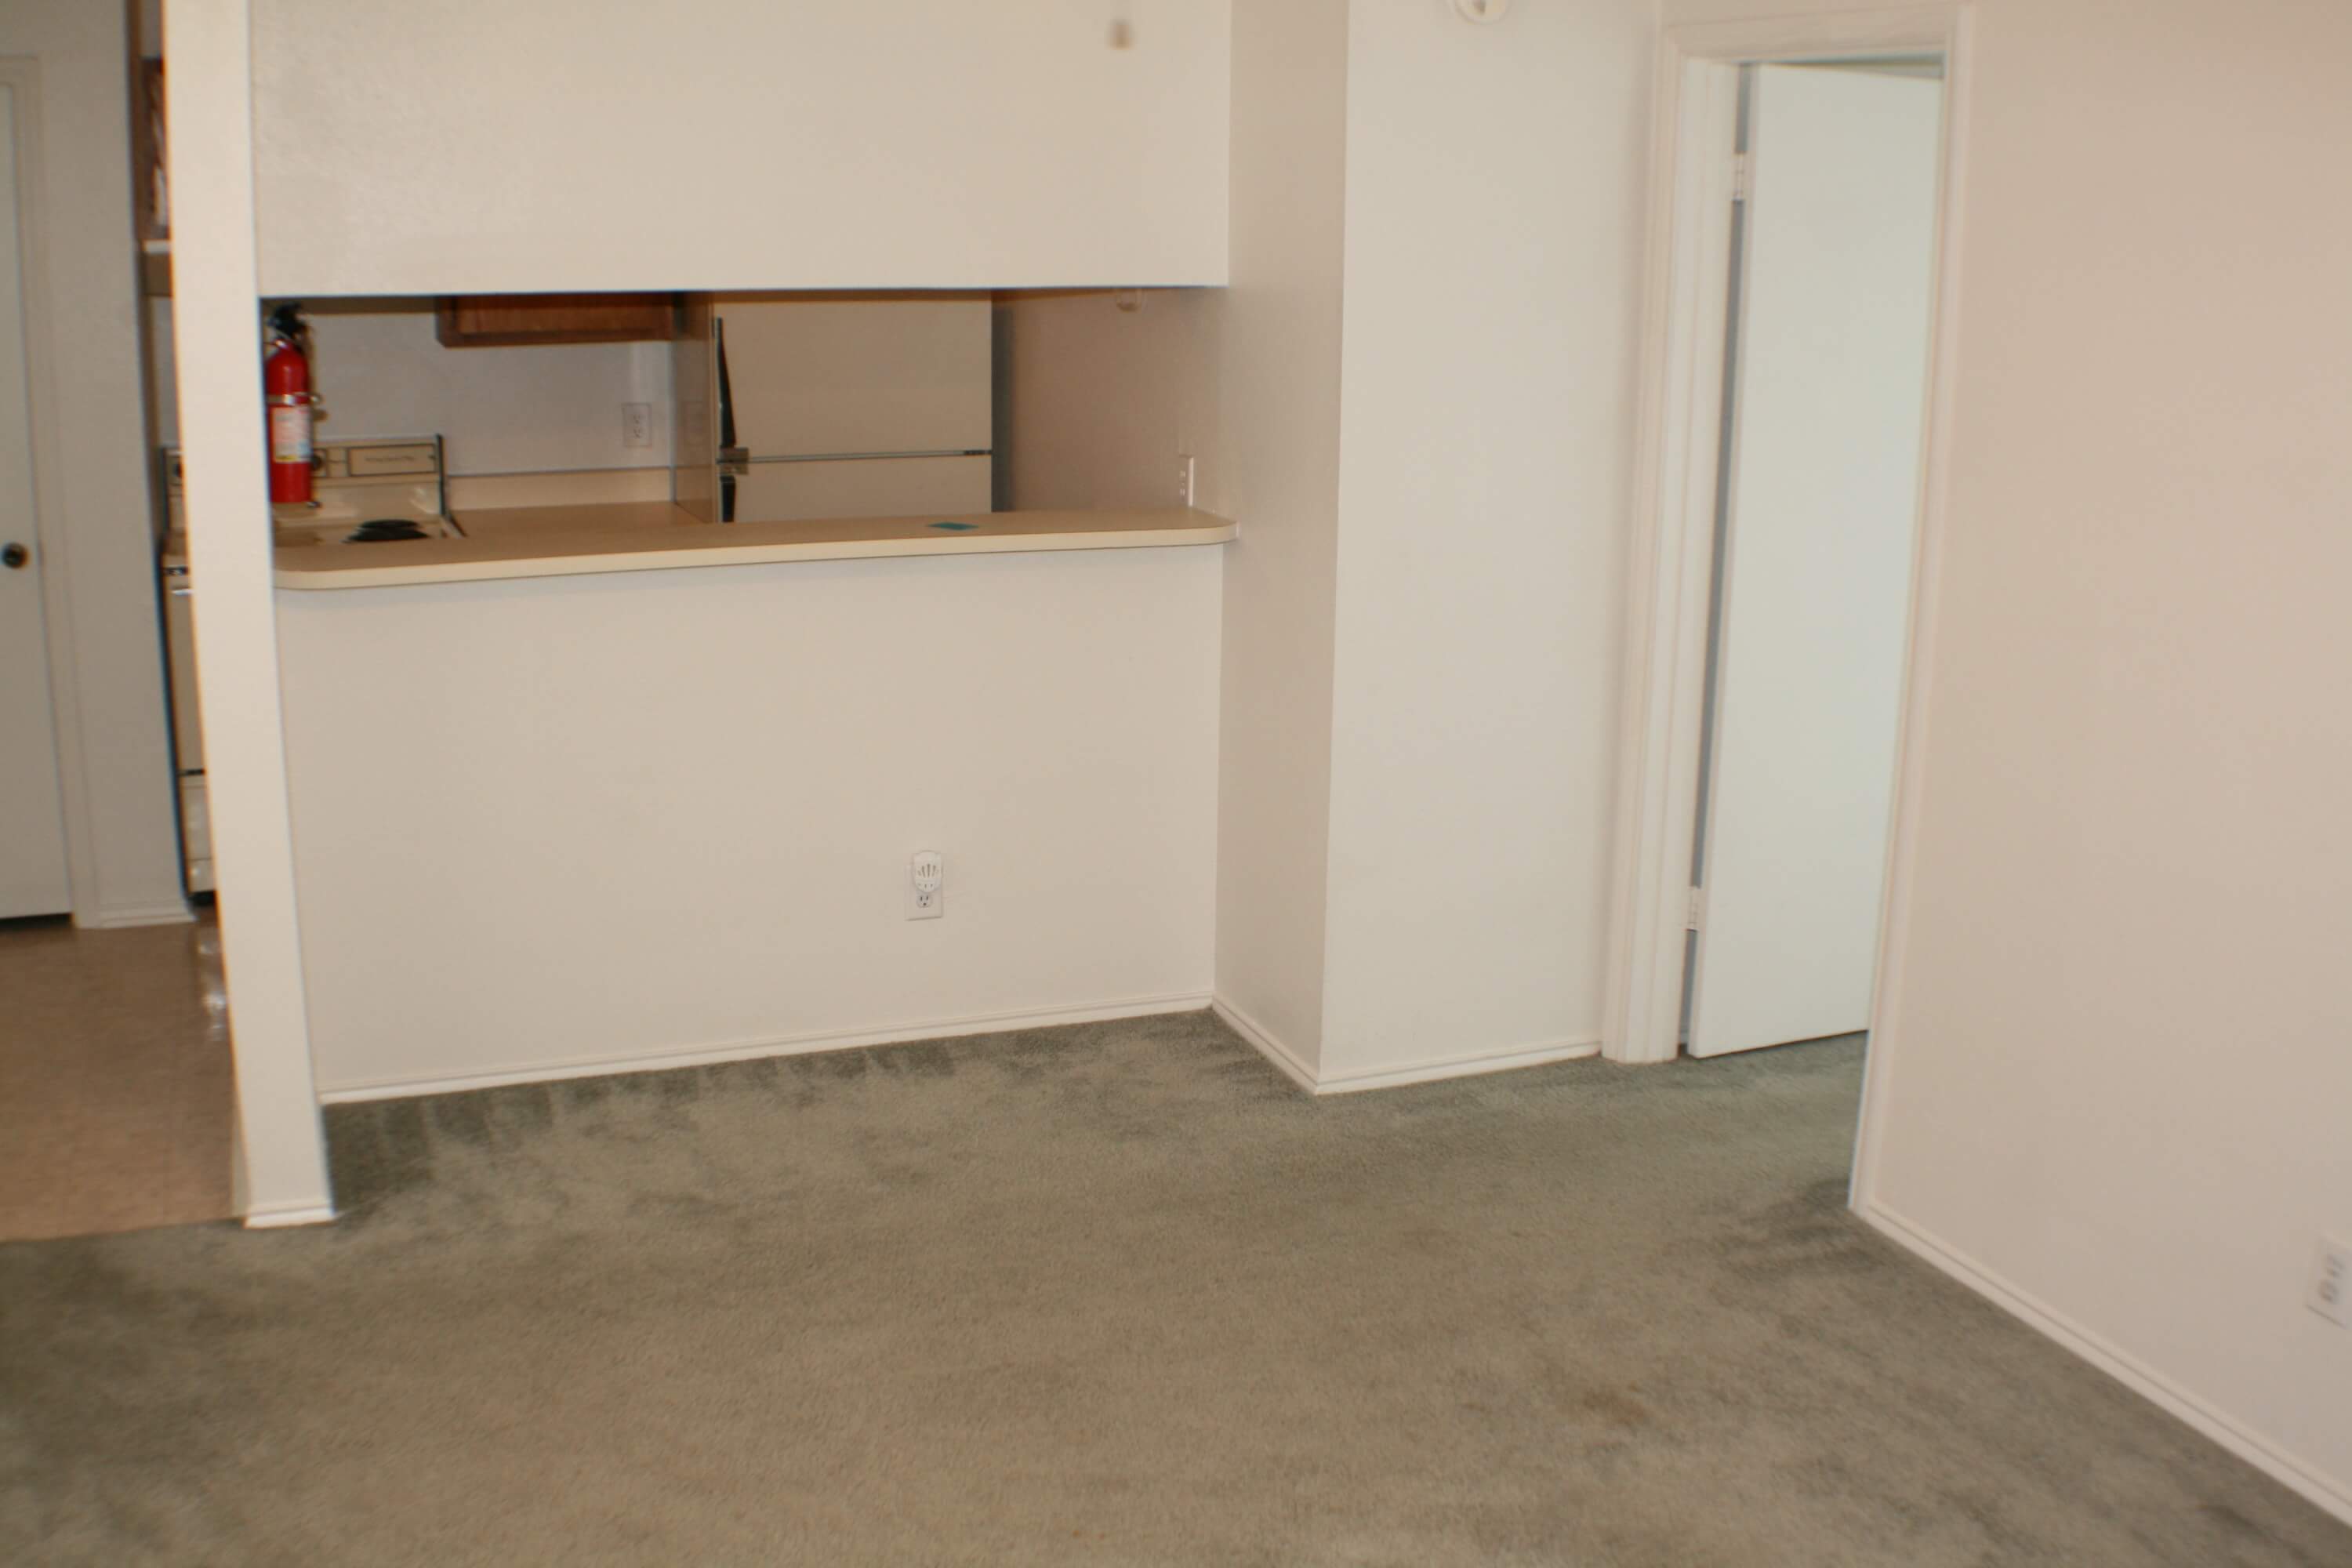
(872, 406)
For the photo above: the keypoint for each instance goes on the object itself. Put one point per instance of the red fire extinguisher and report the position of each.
(286, 385)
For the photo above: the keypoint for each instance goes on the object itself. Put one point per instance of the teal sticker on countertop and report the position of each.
(957, 527)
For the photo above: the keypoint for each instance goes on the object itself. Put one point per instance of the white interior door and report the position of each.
(32, 816)
(1824, 495)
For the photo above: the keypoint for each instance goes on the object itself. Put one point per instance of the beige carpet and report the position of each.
(1107, 1295)
(117, 1089)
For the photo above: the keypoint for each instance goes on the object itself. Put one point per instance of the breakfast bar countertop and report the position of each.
(652, 536)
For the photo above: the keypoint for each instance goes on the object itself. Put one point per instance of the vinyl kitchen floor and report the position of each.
(117, 1089)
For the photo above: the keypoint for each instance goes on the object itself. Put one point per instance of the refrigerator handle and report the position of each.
(733, 459)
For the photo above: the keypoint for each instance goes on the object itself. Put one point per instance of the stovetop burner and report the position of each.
(383, 530)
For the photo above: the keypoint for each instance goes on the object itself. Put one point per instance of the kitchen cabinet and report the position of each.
(505, 321)
(922, 144)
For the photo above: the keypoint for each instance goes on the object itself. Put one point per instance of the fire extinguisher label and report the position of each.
(289, 435)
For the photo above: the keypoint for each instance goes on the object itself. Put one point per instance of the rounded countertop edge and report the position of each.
(595, 556)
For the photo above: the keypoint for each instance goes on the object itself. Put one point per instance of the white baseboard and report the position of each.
(1467, 1065)
(2117, 1362)
(754, 1050)
(173, 913)
(278, 1219)
(1265, 1044)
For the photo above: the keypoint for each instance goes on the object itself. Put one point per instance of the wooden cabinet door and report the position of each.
(495, 321)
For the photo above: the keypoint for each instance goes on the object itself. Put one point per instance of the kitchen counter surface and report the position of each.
(574, 541)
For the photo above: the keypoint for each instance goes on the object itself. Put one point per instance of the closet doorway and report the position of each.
(1785, 532)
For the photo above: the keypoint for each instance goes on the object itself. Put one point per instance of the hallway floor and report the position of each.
(117, 1089)
(1113, 1294)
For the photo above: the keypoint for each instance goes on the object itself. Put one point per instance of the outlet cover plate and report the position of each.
(2330, 1295)
(926, 885)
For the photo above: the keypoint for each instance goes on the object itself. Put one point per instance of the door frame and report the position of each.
(21, 76)
(1688, 243)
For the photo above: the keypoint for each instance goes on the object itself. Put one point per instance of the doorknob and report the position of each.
(14, 557)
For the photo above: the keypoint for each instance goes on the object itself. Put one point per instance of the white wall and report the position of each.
(1275, 347)
(539, 409)
(542, 409)
(1494, 180)
(2117, 1069)
(443, 146)
(2113, 1074)
(547, 825)
(122, 827)
(1439, 520)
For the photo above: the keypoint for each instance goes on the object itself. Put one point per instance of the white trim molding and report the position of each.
(129, 915)
(1285, 1061)
(1471, 1064)
(2113, 1360)
(767, 1046)
(1666, 649)
(217, 322)
(285, 1219)
(1683, 331)
(1430, 1069)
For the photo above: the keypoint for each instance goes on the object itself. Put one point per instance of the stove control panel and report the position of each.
(381, 462)
(397, 457)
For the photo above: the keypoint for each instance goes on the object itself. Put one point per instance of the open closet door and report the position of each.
(1823, 497)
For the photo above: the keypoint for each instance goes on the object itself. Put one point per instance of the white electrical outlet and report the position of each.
(1188, 473)
(637, 424)
(926, 885)
(2330, 1295)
